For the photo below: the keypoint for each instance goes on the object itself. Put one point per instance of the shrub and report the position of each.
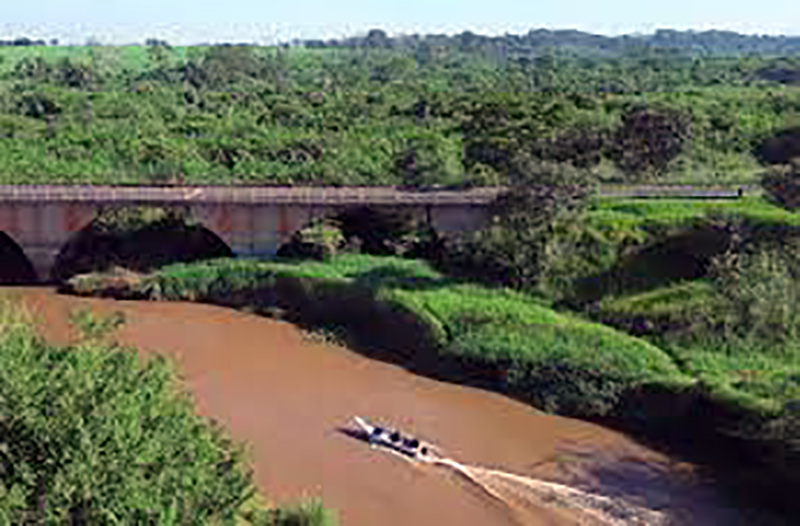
(780, 148)
(782, 185)
(90, 436)
(561, 387)
(429, 160)
(649, 140)
(760, 291)
(514, 250)
(308, 513)
(319, 240)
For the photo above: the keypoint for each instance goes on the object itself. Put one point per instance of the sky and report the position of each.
(266, 21)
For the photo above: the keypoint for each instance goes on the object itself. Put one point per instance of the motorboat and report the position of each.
(394, 439)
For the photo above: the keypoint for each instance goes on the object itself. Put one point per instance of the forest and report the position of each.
(374, 110)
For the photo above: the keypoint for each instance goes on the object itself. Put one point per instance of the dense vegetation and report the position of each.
(89, 435)
(451, 113)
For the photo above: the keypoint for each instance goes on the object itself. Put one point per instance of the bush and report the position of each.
(782, 185)
(429, 160)
(649, 140)
(561, 387)
(780, 148)
(90, 436)
(760, 292)
(515, 249)
(320, 240)
(309, 513)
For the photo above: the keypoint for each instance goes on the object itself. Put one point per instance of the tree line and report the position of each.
(277, 115)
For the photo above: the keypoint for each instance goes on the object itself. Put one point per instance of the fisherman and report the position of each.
(411, 443)
(375, 435)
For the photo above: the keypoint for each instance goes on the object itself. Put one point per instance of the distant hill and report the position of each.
(534, 42)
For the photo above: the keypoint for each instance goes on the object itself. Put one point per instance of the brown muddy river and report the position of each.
(287, 397)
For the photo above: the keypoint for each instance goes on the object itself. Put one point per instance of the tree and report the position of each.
(429, 160)
(377, 38)
(650, 139)
(513, 250)
(224, 65)
(782, 184)
(781, 147)
(760, 290)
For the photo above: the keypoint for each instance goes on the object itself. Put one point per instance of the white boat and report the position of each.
(394, 439)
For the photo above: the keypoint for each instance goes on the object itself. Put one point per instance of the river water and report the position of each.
(288, 397)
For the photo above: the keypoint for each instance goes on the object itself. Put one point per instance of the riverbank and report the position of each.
(403, 312)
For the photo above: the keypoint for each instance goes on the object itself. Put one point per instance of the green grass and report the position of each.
(675, 302)
(618, 216)
(133, 57)
(507, 326)
(764, 370)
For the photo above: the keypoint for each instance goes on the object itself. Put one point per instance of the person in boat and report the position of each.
(411, 443)
(375, 434)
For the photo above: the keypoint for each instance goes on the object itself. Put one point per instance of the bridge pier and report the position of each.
(43, 259)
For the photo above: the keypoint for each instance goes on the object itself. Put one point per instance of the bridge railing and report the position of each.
(324, 196)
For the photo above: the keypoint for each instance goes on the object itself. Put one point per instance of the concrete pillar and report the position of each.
(250, 230)
(216, 218)
(42, 230)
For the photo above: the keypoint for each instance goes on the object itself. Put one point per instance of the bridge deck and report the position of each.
(322, 196)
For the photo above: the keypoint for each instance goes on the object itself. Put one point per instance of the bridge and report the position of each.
(252, 221)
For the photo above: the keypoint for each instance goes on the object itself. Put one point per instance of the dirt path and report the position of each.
(287, 397)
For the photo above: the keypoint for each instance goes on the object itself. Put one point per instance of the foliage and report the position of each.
(308, 513)
(416, 115)
(90, 435)
(428, 161)
(649, 140)
(782, 185)
(495, 328)
(92, 328)
(761, 291)
(780, 148)
(663, 43)
(517, 246)
(319, 240)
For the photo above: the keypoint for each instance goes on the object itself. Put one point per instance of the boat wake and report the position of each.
(524, 494)
(527, 495)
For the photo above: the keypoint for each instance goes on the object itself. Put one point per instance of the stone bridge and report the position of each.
(252, 221)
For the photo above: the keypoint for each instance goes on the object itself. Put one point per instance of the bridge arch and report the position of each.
(135, 244)
(373, 229)
(15, 267)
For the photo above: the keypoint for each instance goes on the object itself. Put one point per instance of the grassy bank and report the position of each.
(384, 302)
(91, 435)
(425, 320)
(635, 218)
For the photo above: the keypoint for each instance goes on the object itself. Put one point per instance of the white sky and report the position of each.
(264, 21)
